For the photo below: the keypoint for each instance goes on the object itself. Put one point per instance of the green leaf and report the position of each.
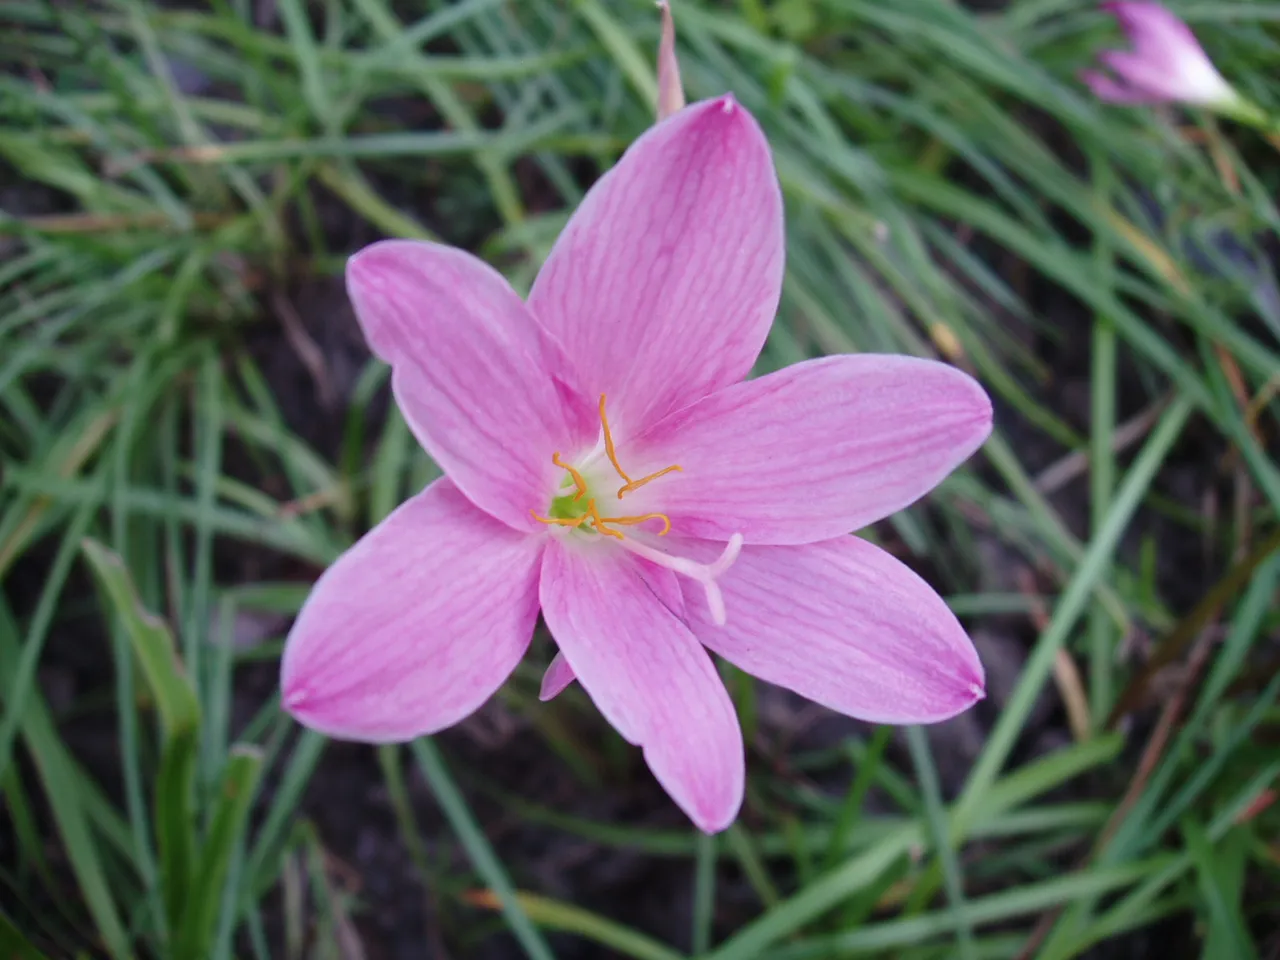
(152, 641)
(478, 848)
(66, 795)
(175, 823)
(13, 945)
(556, 915)
(1219, 873)
(226, 831)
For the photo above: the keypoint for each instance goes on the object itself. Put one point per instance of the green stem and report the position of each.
(1102, 468)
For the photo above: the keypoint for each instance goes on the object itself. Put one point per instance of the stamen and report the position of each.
(599, 523)
(561, 521)
(608, 443)
(637, 484)
(612, 453)
(578, 481)
(705, 573)
(632, 521)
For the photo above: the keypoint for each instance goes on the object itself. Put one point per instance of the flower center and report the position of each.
(578, 510)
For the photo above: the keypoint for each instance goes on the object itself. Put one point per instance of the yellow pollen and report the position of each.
(612, 453)
(578, 482)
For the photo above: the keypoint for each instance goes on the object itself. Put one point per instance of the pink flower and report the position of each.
(607, 465)
(1166, 62)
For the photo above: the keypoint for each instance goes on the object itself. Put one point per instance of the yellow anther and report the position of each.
(598, 522)
(608, 443)
(561, 521)
(628, 483)
(637, 484)
(632, 521)
(601, 524)
(578, 481)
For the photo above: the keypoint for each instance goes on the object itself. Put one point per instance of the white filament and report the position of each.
(704, 573)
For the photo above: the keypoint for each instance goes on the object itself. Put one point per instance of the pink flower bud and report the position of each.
(1167, 63)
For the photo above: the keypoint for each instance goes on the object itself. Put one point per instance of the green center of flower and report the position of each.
(577, 509)
(568, 506)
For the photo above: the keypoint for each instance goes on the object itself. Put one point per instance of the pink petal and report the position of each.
(1167, 60)
(416, 625)
(815, 450)
(1154, 31)
(482, 386)
(1150, 79)
(846, 625)
(558, 676)
(665, 587)
(648, 675)
(1106, 88)
(665, 282)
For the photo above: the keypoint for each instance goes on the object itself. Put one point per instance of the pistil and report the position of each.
(704, 573)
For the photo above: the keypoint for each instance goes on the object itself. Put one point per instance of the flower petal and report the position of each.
(1167, 60)
(416, 625)
(1156, 33)
(1157, 83)
(647, 674)
(558, 677)
(665, 282)
(815, 450)
(484, 389)
(664, 585)
(1107, 88)
(846, 625)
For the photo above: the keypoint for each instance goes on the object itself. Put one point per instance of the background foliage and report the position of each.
(191, 429)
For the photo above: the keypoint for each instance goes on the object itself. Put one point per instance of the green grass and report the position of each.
(951, 191)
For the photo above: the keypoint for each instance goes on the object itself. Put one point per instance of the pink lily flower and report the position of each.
(607, 465)
(1166, 63)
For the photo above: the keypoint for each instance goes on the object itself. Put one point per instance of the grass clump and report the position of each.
(190, 431)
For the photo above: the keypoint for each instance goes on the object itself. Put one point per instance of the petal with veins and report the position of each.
(818, 449)
(648, 675)
(846, 625)
(484, 389)
(416, 625)
(666, 280)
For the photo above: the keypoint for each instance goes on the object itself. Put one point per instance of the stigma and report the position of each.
(706, 574)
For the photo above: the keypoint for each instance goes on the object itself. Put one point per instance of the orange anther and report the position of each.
(608, 443)
(637, 484)
(632, 521)
(560, 521)
(578, 481)
(599, 523)
(611, 451)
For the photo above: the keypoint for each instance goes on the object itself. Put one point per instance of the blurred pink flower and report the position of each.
(1166, 63)
(606, 464)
